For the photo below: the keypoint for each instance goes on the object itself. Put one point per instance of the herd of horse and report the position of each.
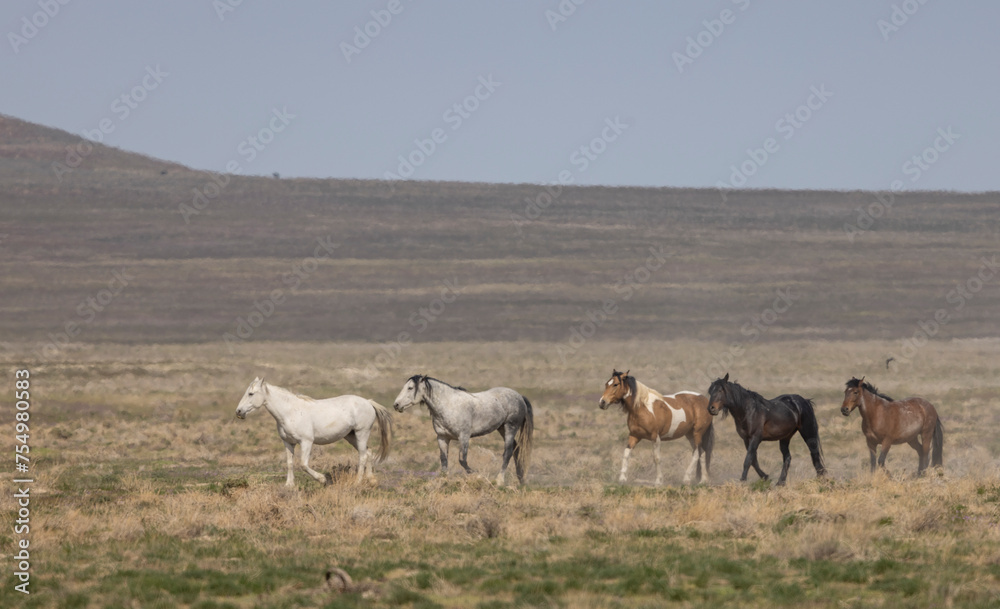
(459, 415)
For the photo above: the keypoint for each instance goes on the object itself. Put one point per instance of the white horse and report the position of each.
(303, 420)
(459, 415)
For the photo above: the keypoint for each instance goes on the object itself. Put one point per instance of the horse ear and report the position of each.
(726, 379)
(861, 382)
(626, 373)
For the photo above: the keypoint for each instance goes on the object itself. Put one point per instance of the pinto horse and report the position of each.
(886, 422)
(656, 417)
(759, 419)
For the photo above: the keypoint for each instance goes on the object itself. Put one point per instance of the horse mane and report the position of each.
(633, 387)
(301, 396)
(419, 378)
(736, 393)
(854, 382)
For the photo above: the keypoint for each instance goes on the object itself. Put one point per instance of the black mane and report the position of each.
(419, 378)
(735, 393)
(851, 384)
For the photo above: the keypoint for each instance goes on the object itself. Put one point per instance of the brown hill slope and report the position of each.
(201, 252)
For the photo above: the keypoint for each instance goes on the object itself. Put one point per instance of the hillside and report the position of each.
(199, 251)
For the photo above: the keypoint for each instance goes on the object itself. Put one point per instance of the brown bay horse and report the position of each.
(885, 422)
(655, 417)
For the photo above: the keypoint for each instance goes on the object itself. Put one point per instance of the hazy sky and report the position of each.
(844, 95)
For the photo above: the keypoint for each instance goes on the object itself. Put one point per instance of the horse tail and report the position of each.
(384, 418)
(937, 445)
(707, 443)
(523, 438)
(809, 428)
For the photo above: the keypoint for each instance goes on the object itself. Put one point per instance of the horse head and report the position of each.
(853, 395)
(253, 398)
(717, 396)
(416, 391)
(616, 390)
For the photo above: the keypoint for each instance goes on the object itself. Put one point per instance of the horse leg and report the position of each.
(751, 459)
(518, 465)
(306, 450)
(463, 453)
(923, 455)
(656, 459)
(694, 468)
(364, 458)
(872, 445)
(817, 458)
(786, 460)
(886, 444)
(632, 441)
(443, 447)
(508, 451)
(290, 460)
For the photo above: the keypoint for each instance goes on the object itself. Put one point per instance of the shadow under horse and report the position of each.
(759, 419)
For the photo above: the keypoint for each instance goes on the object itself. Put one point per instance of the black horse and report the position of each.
(759, 419)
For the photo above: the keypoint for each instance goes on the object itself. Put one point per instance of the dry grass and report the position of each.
(160, 478)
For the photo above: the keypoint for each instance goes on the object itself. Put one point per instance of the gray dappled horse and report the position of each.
(458, 414)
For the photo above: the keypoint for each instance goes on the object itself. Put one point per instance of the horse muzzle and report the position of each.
(602, 404)
(241, 415)
(845, 411)
(397, 407)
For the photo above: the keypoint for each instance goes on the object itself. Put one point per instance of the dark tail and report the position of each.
(937, 445)
(707, 443)
(523, 456)
(809, 428)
